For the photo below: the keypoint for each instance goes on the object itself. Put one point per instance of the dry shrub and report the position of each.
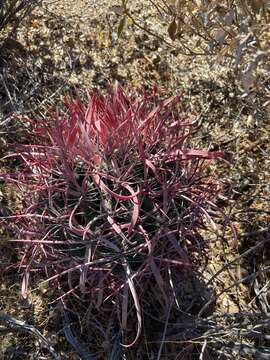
(235, 32)
(12, 12)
